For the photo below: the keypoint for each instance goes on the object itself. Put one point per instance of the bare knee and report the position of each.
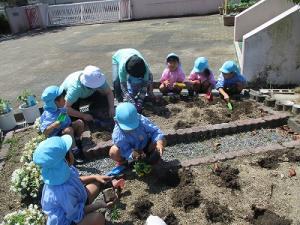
(114, 153)
(68, 130)
(94, 218)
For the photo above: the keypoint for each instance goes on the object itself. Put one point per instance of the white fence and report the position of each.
(89, 12)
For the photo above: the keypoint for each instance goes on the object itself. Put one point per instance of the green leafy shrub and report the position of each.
(4, 106)
(4, 26)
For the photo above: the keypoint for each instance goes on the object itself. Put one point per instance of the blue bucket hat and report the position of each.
(201, 63)
(127, 116)
(230, 67)
(172, 56)
(49, 95)
(50, 156)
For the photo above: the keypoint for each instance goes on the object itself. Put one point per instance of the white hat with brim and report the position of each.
(92, 77)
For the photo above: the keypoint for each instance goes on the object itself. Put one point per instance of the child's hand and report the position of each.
(138, 155)
(56, 124)
(102, 179)
(167, 83)
(226, 97)
(160, 147)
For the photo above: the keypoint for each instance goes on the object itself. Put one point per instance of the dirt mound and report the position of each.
(293, 157)
(181, 124)
(169, 177)
(171, 219)
(186, 177)
(187, 197)
(217, 213)
(270, 162)
(142, 209)
(267, 217)
(228, 175)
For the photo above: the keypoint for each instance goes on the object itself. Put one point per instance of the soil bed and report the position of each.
(10, 201)
(183, 114)
(272, 191)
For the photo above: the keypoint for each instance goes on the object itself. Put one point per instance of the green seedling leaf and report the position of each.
(229, 106)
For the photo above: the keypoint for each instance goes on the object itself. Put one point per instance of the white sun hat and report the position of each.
(154, 220)
(92, 77)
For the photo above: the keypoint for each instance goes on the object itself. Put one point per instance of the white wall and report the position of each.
(257, 15)
(271, 53)
(163, 8)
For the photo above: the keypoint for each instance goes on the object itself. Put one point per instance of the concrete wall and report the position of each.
(271, 53)
(163, 8)
(257, 15)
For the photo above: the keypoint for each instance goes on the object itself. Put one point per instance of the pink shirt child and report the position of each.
(202, 78)
(173, 77)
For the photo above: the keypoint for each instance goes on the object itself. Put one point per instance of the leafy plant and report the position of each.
(115, 213)
(30, 216)
(141, 168)
(27, 181)
(4, 106)
(30, 147)
(27, 98)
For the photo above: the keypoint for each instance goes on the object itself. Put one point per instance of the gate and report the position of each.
(89, 12)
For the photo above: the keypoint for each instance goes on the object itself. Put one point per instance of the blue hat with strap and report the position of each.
(230, 67)
(201, 63)
(127, 116)
(50, 156)
(49, 95)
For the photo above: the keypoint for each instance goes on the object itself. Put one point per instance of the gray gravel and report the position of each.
(227, 143)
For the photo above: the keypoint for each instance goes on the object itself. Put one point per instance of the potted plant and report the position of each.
(29, 106)
(232, 9)
(7, 118)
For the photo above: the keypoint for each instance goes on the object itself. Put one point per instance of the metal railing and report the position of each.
(89, 12)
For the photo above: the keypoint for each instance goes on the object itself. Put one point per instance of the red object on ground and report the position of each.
(209, 96)
(118, 183)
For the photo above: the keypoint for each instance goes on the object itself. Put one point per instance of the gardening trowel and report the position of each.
(229, 106)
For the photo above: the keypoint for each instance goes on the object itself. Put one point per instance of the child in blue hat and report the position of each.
(135, 137)
(55, 121)
(230, 81)
(67, 198)
(173, 76)
(201, 79)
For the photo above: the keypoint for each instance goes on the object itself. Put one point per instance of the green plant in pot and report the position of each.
(28, 106)
(7, 119)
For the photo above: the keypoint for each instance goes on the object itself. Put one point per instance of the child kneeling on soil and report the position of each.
(135, 137)
(230, 81)
(172, 78)
(201, 79)
(67, 198)
(55, 120)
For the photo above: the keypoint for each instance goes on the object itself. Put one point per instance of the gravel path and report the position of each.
(227, 143)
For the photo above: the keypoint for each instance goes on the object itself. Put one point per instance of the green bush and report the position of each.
(4, 26)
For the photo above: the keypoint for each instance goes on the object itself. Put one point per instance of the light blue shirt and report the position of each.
(225, 83)
(137, 139)
(48, 117)
(66, 202)
(121, 57)
(75, 89)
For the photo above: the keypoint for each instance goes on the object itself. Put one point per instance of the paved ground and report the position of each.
(37, 61)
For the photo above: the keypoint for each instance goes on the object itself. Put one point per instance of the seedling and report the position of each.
(115, 213)
(4, 106)
(142, 168)
(27, 98)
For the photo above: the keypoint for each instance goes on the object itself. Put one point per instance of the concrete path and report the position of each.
(42, 59)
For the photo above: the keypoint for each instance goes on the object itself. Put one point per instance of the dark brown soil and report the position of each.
(228, 175)
(217, 213)
(142, 209)
(270, 162)
(101, 136)
(198, 112)
(267, 217)
(293, 157)
(171, 219)
(169, 177)
(187, 198)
